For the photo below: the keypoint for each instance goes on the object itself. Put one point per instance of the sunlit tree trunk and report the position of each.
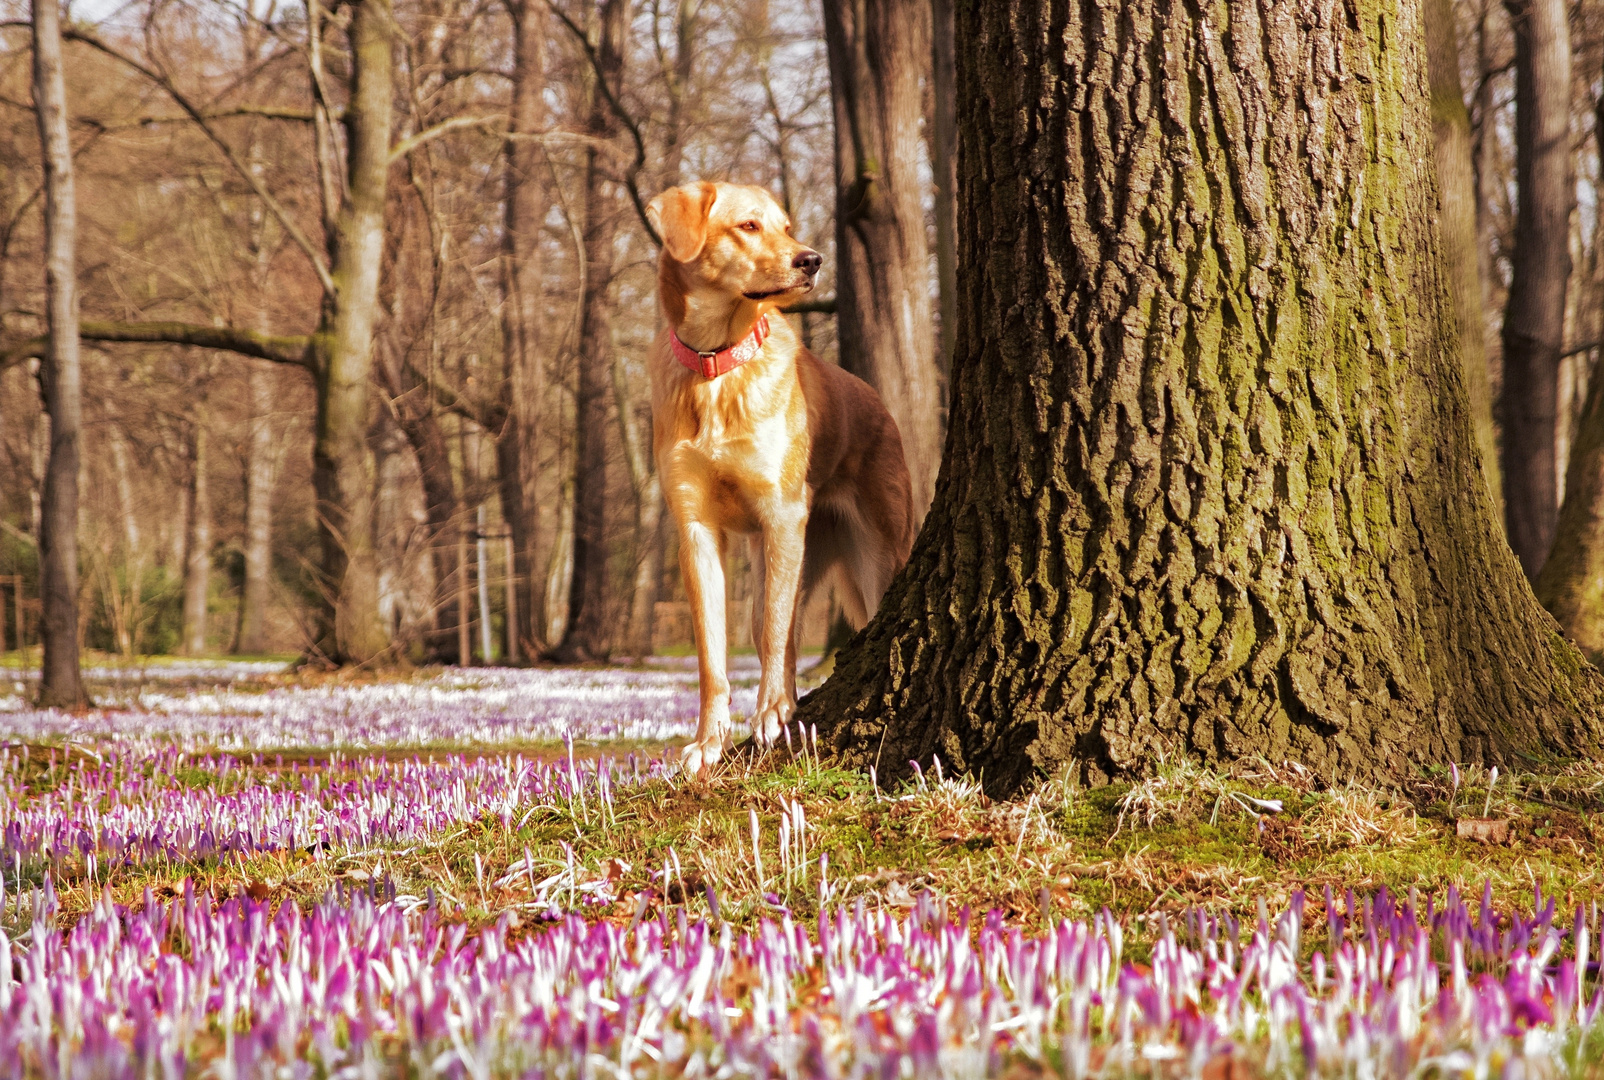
(261, 461)
(879, 50)
(197, 546)
(1456, 186)
(1212, 485)
(524, 205)
(1540, 268)
(61, 683)
(353, 630)
(589, 636)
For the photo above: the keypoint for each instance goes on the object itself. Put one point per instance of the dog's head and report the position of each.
(732, 239)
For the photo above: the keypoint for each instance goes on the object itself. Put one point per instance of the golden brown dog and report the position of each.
(756, 435)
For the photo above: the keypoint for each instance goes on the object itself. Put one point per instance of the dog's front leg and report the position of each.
(783, 542)
(703, 570)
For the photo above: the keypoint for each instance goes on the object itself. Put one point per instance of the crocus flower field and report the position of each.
(361, 985)
(156, 815)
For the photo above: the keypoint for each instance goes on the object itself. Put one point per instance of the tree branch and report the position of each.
(266, 112)
(280, 350)
(324, 276)
(412, 142)
(623, 117)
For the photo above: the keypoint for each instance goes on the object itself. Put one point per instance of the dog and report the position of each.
(754, 434)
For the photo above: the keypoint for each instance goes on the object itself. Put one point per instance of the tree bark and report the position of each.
(60, 683)
(197, 547)
(878, 51)
(1461, 239)
(589, 636)
(1540, 268)
(524, 206)
(352, 629)
(1212, 487)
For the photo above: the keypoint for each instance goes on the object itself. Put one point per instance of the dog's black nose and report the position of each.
(808, 262)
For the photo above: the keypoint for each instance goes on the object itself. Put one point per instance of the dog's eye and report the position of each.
(749, 226)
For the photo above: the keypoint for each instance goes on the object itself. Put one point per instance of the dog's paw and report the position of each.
(699, 757)
(769, 723)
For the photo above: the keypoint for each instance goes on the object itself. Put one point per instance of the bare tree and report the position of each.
(878, 51)
(1456, 188)
(588, 634)
(61, 682)
(1534, 318)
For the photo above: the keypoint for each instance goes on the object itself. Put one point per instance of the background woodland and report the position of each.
(504, 464)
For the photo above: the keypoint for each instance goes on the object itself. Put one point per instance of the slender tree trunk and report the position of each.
(560, 565)
(197, 546)
(523, 388)
(125, 489)
(944, 167)
(1461, 240)
(261, 463)
(1540, 268)
(677, 79)
(60, 684)
(421, 425)
(879, 49)
(353, 631)
(589, 636)
(1212, 487)
(636, 432)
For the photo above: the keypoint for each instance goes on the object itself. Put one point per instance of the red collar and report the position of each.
(710, 365)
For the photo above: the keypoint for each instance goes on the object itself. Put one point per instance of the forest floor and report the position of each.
(507, 801)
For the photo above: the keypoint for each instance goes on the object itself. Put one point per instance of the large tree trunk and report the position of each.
(1461, 240)
(1212, 486)
(261, 461)
(589, 635)
(879, 49)
(60, 682)
(353, 631)
(197, 546)
(523, 388)
(1540, 267)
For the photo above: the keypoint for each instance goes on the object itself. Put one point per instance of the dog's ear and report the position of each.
(680, 217)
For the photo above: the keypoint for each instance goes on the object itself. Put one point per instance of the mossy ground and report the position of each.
(1184, 837)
